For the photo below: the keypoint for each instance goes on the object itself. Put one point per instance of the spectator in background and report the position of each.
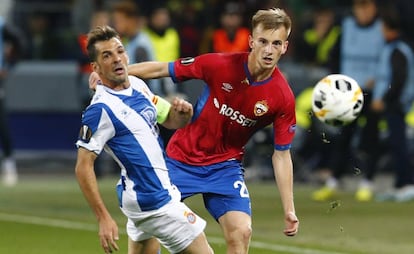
(189, 28)
(405, 9)
(82, 12)
(315, 44)
(165, 40)
(11, 46)
(129, 24)
(357, 54)
(231, 36)
(393, 96)
(43, 44)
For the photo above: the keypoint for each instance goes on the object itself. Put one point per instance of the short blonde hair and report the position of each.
(272, 18)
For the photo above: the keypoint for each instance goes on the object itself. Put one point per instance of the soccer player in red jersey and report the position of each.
(245, 92)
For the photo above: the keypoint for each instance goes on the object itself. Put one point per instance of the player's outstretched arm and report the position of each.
(149, 70)
(108, 229)
(283, 168)
(179, 115)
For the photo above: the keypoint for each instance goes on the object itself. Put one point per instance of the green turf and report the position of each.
(50, 215)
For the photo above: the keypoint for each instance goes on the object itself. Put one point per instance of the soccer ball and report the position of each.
(337, 100)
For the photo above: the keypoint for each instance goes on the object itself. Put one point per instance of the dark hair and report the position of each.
(390, 17)
(100, 33)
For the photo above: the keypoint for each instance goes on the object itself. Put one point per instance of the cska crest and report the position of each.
(260, 108)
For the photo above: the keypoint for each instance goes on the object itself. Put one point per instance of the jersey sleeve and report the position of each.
(284, 127)
(191, 67)
(96, 129)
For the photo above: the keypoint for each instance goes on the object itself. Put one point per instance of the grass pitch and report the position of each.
(48, 215)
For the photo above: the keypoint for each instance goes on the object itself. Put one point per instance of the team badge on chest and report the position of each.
(260, 108)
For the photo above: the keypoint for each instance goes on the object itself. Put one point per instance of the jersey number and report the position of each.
(243, 189)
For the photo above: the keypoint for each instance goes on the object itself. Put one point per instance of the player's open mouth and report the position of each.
(119, 70)
(268, 60)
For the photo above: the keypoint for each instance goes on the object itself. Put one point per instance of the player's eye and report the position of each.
(277, 43)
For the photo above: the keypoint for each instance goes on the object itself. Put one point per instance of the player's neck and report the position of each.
(116, 86)
(259, 73)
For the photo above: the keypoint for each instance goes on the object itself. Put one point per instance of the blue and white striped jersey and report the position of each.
(124, 124)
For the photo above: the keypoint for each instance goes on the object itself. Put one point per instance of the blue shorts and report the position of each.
(222, 185)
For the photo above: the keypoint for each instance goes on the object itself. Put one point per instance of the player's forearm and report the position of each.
(89, 188)
(88, 184)
(283, 170)
(149, 70)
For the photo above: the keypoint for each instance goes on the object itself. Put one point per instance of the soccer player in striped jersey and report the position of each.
(122, 119)
(244, 92)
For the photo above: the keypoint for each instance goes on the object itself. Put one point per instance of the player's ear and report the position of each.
(250, 42)
(285, 47)
(95, 67)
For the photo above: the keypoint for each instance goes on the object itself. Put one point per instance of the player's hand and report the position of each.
(94, 80)
(291, 224)
(108, 234)
(182, 106)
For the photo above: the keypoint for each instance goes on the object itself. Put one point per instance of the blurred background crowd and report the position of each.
(44, 70)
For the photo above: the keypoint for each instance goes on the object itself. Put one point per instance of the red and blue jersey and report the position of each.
(231, 109)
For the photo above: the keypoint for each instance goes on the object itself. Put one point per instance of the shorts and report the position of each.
(174, 224)
(222, 185)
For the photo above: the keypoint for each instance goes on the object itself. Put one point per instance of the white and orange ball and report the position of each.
(337, 100)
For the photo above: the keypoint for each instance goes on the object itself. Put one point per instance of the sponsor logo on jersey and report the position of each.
(85, 134)
(227, 87)
(260, 108)
(187, 60)
(233, 114)
(190, 217)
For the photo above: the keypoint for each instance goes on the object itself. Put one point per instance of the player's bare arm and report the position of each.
(108, 229)
(143, 70)
(149, 70)
(179, 115)
(94, 80)
(283, 168)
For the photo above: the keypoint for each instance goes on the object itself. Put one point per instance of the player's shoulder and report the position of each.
(227, 57)
(140, 86)
(136, 82)
(279, 78)
(282, 83)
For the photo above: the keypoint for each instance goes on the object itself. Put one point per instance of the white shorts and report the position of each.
(174, 224)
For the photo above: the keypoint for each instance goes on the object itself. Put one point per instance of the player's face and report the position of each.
(112, 62)
(267, 46)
